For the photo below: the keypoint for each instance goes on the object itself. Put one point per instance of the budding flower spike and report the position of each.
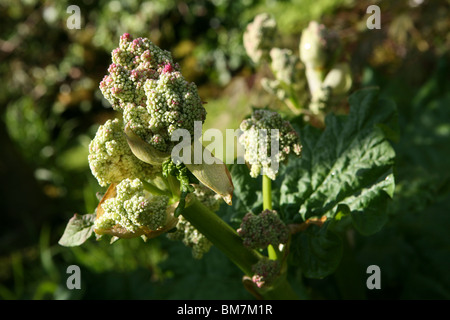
(265, 272)
(147, 87)
(127, 210)
(319, 50)
(262, 151)
(318, 46)
(284, 66)
(259, 37)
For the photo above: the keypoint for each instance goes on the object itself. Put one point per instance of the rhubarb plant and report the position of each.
(286, 208)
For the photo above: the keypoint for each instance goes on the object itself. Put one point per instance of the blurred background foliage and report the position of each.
(50, 108)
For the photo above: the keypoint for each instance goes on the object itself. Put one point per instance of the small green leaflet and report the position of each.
(78, 230)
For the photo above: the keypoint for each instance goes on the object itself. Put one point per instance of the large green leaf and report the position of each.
(317, 251)
(349, 164)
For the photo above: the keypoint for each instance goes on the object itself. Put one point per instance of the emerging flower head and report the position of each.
(131, 211)
(259, 37)
(258, 231)
(318, 45)
(265, 272)
(283, 65)
(260, 150)
(147, 87)
(111, 159)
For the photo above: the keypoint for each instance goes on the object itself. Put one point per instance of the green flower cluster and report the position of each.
(190, 237)
(285, 66)
(147, 87)
(147, 191)
(186, 233)
(265, 272)
(257, 141)
(133, 208)
(207, 197)
(111, 159)
(266, 228)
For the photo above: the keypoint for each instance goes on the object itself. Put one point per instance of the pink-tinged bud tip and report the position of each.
(167, 68)
(125, 37)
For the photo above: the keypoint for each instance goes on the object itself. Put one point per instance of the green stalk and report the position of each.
(283, 291)
(267, 205)
(267, 193)
(228, 241)
(221, 235)
(154, 189)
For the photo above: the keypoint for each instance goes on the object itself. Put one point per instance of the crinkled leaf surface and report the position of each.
(317, 251)
(349, 164)
(78, 230)
(345, 172)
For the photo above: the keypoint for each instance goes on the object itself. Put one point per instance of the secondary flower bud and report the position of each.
(265, 272)
(284, 65)
(257, 141)
(190, 237)
(259, 37)
(133, 209)
(258, 231)
(318, 45)
(338, 79)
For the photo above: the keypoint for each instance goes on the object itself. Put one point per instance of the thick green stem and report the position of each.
(283, 291)
(228, 241)
(267, 205)
(267, 193)
(154, 189)
(221, 235)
